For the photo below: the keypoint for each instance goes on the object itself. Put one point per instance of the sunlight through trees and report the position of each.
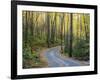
(70, 31)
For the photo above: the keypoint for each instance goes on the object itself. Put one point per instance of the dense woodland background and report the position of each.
(43, 30)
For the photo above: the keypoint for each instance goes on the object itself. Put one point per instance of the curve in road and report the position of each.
(54, 59)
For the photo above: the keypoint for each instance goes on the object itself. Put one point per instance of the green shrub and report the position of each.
(81, 50)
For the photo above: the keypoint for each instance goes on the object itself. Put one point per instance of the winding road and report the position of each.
(54, 59)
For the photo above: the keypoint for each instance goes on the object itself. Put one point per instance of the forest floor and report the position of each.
(53, 58)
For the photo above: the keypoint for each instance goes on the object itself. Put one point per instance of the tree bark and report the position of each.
(71, 35)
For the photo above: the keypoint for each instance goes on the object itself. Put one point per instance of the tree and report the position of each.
(66, 49)
(86, 27)
(48, 30)
(71, 35)
(61, 33)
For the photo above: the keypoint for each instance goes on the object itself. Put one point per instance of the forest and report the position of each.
(44, 30)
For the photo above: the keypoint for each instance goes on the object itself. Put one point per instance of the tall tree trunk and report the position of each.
(62, 19)
(48, 30)
(26, 28)
(55, 26)
(80, 27)
(85, 26)
(77, 28)
(30, 30)
(71, 35)
(24, 25)
(67, 35)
